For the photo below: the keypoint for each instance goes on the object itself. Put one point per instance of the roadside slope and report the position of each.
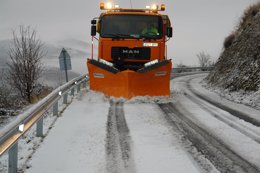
(238, 67)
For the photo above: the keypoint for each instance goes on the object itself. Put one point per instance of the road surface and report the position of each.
(192, 131)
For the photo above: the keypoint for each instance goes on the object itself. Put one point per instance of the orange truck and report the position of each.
(132, 53)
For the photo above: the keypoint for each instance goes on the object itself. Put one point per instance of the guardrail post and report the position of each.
(56, 109)
(12, 160)
(78, 88)
(72, 91)
(85, 84)
(39, 128)
(65, 98)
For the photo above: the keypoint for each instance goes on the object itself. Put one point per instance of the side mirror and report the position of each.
(169, 32)
(93, 30)
(93, 22)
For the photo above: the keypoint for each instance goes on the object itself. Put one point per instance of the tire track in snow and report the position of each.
(118, 145)
(224, 159)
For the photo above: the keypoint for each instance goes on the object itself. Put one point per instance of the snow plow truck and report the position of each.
(132, 52)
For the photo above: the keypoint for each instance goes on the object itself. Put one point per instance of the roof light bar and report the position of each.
(108, 6)
(111, 6)
(155, 7)
(102, 6)
(162, 7)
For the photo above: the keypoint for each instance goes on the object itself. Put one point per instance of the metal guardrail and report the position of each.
(185, 69)
(10, 134)
(175, 75)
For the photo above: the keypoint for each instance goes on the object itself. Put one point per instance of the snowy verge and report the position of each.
(249, 98)
(196, 85)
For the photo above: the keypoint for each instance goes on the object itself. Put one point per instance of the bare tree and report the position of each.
(204, 59)
(25, 67)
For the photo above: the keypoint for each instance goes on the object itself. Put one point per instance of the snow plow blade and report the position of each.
(153, 80)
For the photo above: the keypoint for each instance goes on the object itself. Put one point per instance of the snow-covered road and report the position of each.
(231, 129)
(183, 133)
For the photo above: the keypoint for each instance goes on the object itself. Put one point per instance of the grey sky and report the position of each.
(198, 25)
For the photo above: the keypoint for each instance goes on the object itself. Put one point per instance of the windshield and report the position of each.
(131, 26)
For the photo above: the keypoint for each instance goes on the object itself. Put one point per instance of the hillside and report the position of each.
(238, 67)
(53, 77)
(78, 50)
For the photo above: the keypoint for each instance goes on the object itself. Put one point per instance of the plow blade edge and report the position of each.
(149, 81)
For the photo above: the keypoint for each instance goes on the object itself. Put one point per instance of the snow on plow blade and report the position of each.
(153, 80)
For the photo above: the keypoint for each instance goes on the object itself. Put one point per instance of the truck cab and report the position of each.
(130, 38)
(132, 52)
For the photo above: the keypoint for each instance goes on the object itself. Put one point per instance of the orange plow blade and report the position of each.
(149, 81)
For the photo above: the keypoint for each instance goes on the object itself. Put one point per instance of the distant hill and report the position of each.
(75, 48)
(238, 67)
(53, 77)
(78, 50)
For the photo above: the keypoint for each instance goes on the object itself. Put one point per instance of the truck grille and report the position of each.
(125, 53)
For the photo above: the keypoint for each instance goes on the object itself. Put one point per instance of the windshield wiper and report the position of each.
(118, 36)
(111, 35)
(146, 36)
(124, 35)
